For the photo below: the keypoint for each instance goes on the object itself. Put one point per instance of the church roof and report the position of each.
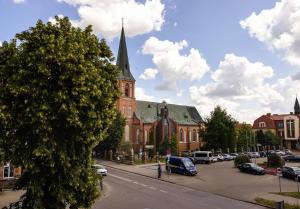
(296, 106)
(122, 59)
(184, 115)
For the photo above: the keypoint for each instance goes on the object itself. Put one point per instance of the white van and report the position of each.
(202, 157)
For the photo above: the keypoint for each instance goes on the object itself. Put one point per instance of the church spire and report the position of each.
(296, 107)
(122, 59)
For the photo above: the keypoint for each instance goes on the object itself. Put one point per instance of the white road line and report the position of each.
(163, 191)
(119, 177)
(152, 188)
(144, 185)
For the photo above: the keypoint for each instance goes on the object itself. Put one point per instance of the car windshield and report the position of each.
(297, 170)
(187, 163)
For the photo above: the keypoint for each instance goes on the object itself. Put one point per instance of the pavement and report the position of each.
(134, 191)
(213, 178)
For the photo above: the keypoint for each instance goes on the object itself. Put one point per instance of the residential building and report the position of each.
(285, 126)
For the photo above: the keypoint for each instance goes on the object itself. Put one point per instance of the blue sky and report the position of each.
(242, 55)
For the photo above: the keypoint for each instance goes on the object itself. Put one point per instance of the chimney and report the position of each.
(291, 113)
(268, 114)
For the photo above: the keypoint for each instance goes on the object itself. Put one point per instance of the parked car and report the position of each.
(290, 172)
(254, 154)
(288, 152)
(180, 165)
(279, 152)
(263, 153)
(100, 169)
(251, 168)
(291, 158)
(219, 157)
(234, 155)
(202, 156)
(227, 157)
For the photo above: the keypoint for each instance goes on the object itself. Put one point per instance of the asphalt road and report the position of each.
(130, 191)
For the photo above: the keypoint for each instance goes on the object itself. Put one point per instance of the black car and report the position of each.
(290, 172)
(251, 168)
(292, 158)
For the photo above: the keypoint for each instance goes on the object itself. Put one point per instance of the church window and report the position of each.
(126, 133)
(8, 171)
(137, 136)
(124, 108)
(146, 137)
(181, 135)
(129, 112)
(290, 125)
(184, 136)
(194, 135)
(190, 136)
(127, 94)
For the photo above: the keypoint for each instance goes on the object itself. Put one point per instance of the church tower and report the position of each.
(296, 107)
(127, 103)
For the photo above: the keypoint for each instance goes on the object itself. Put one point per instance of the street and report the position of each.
(130, 191)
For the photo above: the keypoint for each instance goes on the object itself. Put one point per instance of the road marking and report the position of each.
(144, 185)
(163, 191)
(119, 177)
(152, 188)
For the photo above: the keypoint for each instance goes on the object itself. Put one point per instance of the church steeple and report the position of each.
(122, 59)
(296, 107)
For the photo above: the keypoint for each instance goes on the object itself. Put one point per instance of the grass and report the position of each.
(271, 203)
(289, 194)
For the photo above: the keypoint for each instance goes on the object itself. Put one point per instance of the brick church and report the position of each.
(150, 123)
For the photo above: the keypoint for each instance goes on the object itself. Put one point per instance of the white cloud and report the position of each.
(175, 24)
(106, 16)
(173, 65)
(141, 95)
(19, 1)
(240, 86)
(149, 74)
(279, 28)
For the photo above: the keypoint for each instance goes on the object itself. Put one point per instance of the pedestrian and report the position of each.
(159, 170)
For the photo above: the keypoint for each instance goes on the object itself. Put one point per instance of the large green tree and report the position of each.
(245, 137)
(220, 130)
(58, 93)
(113, 137)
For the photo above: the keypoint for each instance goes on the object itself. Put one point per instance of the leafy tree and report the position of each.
(173, 145)
(271, 138)
(58, 93)
(113, 137)
(260, 137)
(220, 130)
(245, 137)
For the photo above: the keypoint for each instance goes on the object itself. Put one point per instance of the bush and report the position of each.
(241, 159)
(275, 161)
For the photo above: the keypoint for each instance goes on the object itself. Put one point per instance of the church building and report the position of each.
(149, 124)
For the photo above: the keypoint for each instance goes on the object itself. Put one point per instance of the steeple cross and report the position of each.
(122, 22)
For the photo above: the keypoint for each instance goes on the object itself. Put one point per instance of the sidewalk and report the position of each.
(9, 196)
(277, 198)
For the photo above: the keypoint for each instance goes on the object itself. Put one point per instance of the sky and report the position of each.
(241, 55)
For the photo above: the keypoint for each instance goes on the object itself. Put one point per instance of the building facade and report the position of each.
(285, 126)
(149, 124)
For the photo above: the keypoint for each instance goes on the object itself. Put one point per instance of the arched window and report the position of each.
(146, 137)
(137, 135)
(181, 135)
(194, 135)
(126, 133)
(127, 90)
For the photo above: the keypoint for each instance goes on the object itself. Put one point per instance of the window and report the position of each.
(194, 135)
(262, 124)
(129, 112)
(184, 136)
(290, 126)
(124, 112)
(280, 125)
(127, 90)
(181, 136)
(190, 136)
(8, 171)
(137, 136)
(126, 133)
(146, 137)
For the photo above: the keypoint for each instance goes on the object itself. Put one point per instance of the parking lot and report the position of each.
(222, 178)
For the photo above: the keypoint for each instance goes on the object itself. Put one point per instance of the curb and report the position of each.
(171, 182)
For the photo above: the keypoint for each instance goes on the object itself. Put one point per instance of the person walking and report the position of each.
(159, 170)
